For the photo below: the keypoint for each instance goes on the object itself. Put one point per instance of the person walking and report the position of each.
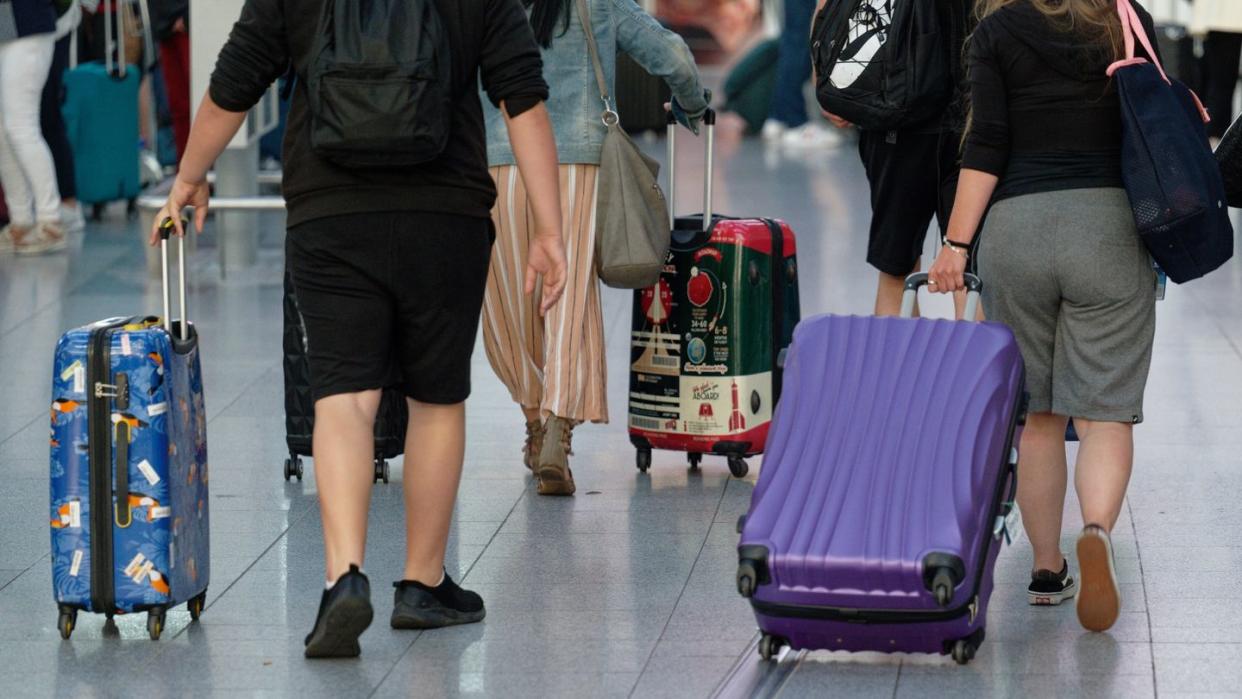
(27, 171)
(1062, 266)
(1220, 23)
(52, 120)
(788, 120)
(170, 27)
(912, 173)
(554, 365)
(388, 245)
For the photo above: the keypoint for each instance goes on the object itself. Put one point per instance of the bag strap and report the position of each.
(1132, 29)
(610, 116)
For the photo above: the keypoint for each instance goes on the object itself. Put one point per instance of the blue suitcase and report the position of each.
(101, 117)
(129, 468)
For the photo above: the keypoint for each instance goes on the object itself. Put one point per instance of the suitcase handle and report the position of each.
(166, 229)
(974, 287)
(709, 166)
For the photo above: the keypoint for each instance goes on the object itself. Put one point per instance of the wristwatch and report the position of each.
(957, 247)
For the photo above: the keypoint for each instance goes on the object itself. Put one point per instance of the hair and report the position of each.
(545, 15)
(1094, 21)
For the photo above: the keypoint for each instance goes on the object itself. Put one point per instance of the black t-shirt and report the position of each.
(1046, 116)
(488, 38)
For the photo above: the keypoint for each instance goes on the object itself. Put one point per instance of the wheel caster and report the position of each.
(381, 470)
(963, 652)
(747, 578)
(68, 618)
(770, 646)
(738, 467)
(695, 459)
(642, 458)
(196, 604)
(293, 467)
(155, 623)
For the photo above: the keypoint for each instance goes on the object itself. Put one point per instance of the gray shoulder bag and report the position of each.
(631, 217)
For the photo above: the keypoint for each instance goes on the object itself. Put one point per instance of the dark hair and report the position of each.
(544, 15)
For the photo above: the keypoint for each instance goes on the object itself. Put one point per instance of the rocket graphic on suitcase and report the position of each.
(888, 485)
(128, 465)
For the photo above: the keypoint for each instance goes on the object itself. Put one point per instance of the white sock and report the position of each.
(329, 584)
(443, 575)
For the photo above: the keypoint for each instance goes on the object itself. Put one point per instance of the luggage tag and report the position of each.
(1162, 281)
(1008, 525)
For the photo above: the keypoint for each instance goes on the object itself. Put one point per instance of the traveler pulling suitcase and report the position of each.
(129, 467)
(706, 339)
(888, 485)
(390, 422)
(101, 118)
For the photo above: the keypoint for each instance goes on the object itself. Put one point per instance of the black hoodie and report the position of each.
(1045, 113)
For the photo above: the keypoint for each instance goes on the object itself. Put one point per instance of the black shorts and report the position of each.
(912, 179)
(391, 299)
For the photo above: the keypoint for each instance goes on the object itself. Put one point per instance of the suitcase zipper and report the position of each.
(904, 616)
(98, 370)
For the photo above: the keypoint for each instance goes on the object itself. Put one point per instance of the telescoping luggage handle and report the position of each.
(974, 287)
(166, 230)
(709, 123)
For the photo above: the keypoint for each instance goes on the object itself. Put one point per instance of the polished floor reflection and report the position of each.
(626, 589)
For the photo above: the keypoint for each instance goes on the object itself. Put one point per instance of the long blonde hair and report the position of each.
(1093, 20)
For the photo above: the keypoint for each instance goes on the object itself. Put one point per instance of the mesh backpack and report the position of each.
(379, 82)
(883, 64)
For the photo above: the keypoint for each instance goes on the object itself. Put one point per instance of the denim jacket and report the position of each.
(574, 105)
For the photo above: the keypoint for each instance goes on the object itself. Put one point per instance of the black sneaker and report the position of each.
(417, 606)
(344, 613)
(1048, 589)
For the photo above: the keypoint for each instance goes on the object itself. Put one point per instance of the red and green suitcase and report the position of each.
(707, 340)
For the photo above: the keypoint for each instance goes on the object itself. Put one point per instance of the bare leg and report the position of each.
(437, 434)
(1041, 486)
(1105, 458)
(344, 448)
(891, 289)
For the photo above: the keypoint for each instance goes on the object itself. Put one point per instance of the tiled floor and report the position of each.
(626, 589)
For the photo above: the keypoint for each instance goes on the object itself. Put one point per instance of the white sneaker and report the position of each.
(10, 242)
(72, 219)
(811, 135)
(46, 237)
(773, 130)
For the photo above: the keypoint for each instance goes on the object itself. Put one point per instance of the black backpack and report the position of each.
(379, 83)
(883, 64)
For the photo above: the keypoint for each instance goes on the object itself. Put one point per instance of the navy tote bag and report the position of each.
(1167, 165)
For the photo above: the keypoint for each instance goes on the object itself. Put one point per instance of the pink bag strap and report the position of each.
(1132, 28)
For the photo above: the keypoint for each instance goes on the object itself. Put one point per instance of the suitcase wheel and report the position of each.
(196, 604)
(155, 623)
(68, 617)
(381, 470)
(695, 459)
(738, 467)
(963, 651)
(642, 458)
(770, 646)
(293, 467)
(747, 579)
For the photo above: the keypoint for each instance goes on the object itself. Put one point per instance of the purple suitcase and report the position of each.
(881, 507)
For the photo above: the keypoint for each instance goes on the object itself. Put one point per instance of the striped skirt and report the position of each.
(554, 363)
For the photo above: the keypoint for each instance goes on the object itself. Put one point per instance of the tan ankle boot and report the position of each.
(555, 478)
(534, 444)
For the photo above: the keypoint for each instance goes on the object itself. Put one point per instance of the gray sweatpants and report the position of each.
(1067, 272)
